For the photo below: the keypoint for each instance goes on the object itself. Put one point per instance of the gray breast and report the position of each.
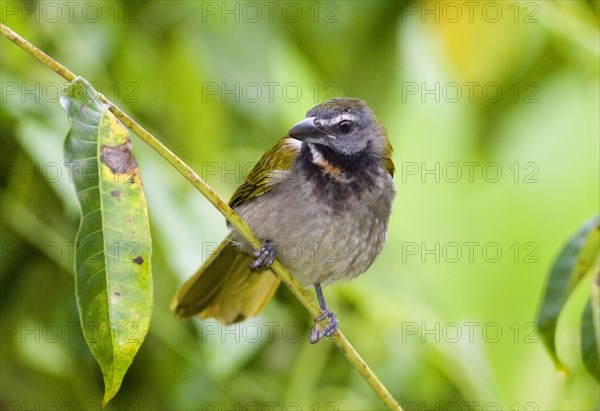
(316, 239)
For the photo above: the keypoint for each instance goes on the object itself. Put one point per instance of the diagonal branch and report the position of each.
(299, 291)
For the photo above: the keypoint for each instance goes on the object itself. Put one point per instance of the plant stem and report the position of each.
(299, 291)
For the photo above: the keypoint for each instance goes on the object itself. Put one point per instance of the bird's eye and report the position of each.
(345, 126)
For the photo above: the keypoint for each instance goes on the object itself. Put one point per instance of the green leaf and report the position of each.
(589, 336)
(576, 258)
(113, 279)
(595, 307)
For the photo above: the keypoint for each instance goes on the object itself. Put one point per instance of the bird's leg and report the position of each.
(316, 334)
(265, 256)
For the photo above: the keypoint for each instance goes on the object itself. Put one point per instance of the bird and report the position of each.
(319, 200)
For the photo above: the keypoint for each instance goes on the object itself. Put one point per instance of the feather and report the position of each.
(226, 288)
(270, 170)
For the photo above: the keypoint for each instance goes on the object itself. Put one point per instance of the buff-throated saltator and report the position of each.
(320, 199)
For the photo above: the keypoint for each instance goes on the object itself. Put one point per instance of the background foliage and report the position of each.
(441, 316)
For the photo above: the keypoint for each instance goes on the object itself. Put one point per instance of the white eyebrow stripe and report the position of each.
(337, 119)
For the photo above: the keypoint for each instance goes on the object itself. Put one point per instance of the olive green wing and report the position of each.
(270, 170)
(226, 288)
(389, 164)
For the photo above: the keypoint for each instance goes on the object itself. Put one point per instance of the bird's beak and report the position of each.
(308, 132)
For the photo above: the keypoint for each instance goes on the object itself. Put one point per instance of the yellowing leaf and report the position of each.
(113, 247)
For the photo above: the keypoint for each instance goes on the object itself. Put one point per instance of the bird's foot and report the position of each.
(316, 333)
(265, 256)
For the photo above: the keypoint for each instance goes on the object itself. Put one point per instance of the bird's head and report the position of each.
(346, 126)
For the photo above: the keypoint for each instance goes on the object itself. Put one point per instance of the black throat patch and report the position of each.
(339, 178)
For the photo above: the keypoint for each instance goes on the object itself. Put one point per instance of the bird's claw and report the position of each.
(316, 333)
(265, 256)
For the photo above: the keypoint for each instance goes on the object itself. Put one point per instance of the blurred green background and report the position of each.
(492, 108)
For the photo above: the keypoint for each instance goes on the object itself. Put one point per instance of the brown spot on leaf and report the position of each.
(117, 294)
(115, 193)
(138, 260)
(119, 159)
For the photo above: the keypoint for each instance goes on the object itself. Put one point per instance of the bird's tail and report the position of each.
(226, 288)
